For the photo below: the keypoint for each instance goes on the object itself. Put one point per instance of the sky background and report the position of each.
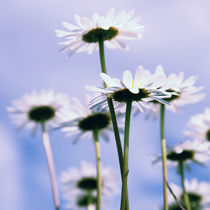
(177, 35)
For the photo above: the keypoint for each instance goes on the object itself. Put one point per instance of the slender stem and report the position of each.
(113, 117)
(116, 133)
(186, 198)
(118, 143)
(98, 162)
(126, 150)
(111, 110)
(164, 155)
(102, 56)
(49, 156)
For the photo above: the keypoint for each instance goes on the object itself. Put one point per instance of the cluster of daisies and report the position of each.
(146, 92)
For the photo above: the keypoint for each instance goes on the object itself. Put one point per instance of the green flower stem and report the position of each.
(98, 162)
(111, 110)
(49, 156)
(126, 150)
(164, 155)
(102, 56)
(113, 117)
(186, 198)
(116, 133)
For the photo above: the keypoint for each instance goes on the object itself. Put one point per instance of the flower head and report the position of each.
(189, 151)
(198, 194)
(36, 108)
(79, 120)
(141, 89)
(183, 91)
(199, 126)
(112, 28)
(80, 185)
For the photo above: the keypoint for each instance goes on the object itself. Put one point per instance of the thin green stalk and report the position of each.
(49, 156)
(113, 117)
(116, 133)
(186, 198)
(126, 151)
(111, 110)
(164, 155)
(118, 143)
(102, 56)
(98, 163)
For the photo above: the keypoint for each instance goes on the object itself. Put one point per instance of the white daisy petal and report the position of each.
(127, 79)
(125, 26)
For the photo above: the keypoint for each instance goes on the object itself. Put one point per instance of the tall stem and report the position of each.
(113, 117)
(48, 152)
(186, 198)
(116, 133)
(126, 150)
(98, 163)
(164, 155)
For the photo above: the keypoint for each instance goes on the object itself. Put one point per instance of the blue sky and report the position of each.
(177, 35)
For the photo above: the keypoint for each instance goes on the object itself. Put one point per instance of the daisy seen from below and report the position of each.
(80, 186)
(140, 90)
(40, 109)
(111, 29)
(79, 120)
(188, 152)
(198, 193)
(199, 126)
(183, 91)
(185, 153)
(31, 110)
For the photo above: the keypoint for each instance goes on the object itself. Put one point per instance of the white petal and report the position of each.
(134, 90)
(86, 23)
(108, 80)
(69, 26)
(127, 79)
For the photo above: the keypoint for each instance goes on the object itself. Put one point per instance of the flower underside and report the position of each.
(208, 135)
(124, 95)
(87, 183)
(195, 202)
(174, 206)
(41, 114)
(183, 156)
(97, 34)
(85, 200)
(193, 197)
(170, 99)
(94, 121)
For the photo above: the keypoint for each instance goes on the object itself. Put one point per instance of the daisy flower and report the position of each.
(199, 126)
(141, 89)
(112, 28)
(183, 91)
(80, 185)
(37, 107)
(189, 151)
(198, 193)
(77, 119)
(40, 109)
